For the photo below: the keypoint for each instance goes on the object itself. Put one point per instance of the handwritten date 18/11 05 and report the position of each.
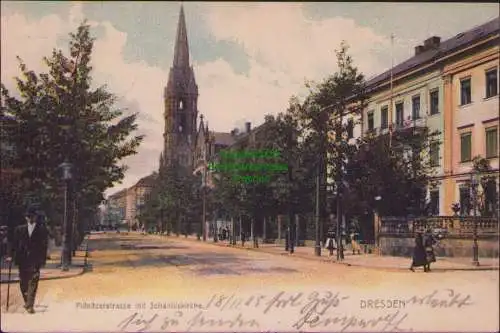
(281, 300)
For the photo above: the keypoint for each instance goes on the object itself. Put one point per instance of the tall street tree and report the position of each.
(61, 117)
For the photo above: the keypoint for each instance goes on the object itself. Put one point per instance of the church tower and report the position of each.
(181, 109)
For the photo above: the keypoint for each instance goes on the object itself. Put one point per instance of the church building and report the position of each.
(181, 105)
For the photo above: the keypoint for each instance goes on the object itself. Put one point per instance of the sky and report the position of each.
(249, 58)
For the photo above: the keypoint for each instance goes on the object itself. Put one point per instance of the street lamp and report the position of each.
(378, 198)
(65, 255)
(475, 248)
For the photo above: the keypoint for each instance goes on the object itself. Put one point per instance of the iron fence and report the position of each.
(446, 226)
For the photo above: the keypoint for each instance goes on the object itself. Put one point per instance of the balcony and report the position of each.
(410, 124)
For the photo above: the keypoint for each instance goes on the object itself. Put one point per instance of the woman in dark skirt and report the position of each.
(419, 255)
(429, 242)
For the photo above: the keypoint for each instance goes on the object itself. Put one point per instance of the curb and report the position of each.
(396, 269)
(82, 268)
(80, 272)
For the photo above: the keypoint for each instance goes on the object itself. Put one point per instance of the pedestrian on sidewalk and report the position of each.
(29, 250)
(429, 242)
(331, 243)
(354, 242)
(419, 256)
(243, 238)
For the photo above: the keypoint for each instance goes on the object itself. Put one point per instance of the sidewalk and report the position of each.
(363, 260)
(51, 271)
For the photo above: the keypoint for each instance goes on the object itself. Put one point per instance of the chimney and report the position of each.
(248, 126)
(432, 43)
(419, 49)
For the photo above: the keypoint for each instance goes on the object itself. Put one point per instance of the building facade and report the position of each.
(450, 87)
(116, 207)
(181, 104)
(472, 115)
(125, 206)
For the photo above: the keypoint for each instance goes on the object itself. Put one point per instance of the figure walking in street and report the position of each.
(29, 250)
(331, 241)
(419, 256)
(243, 238)
(429, 242)
(355, 242)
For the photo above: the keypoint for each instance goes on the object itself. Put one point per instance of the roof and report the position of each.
(147, 181)
(222, 138)
(118, 194)
(446, 47)
(239, 138)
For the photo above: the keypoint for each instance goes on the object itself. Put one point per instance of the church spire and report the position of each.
(181, 51)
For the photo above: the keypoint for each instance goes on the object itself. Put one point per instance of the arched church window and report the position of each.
(181, 105)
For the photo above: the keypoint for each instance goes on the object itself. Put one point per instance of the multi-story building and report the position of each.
(426, 90)
(125, 206)
(136, 198)
(471, 113)
(116, 207)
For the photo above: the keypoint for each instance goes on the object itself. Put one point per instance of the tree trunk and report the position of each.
(264, 229)
(297, 229)
(279, 228)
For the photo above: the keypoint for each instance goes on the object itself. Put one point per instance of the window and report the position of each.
(399, 114)
(490, 197)
(434, 100)
(434, 202)
(465, 147)
(492, 142)
(434, 154)
(384, 117)
(491, 83)
(465, 203)
(350, 129)
(181, 105)
(415, 107)
(465, 92)
(371, 122)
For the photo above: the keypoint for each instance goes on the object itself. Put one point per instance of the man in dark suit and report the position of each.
(29, 250)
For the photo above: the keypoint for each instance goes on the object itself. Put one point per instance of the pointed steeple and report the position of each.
(181, 51)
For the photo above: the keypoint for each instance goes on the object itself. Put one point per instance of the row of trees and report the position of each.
(57, 117)
(314, 143)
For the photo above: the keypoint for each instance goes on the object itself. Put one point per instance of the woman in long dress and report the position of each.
(429, 242)
(331, 242)
(419, 255)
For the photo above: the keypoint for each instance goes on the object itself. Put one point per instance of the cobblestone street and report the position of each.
(131, 269)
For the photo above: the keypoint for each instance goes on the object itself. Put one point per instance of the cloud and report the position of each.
(282, 37)
(284, 47)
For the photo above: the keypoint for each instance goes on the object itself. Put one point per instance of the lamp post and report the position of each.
(340, 245)
(65, 255)
(378, 198)
(475, 247)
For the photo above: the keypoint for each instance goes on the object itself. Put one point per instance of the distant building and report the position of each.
(116, 207)
(136, 198)
(125, 206)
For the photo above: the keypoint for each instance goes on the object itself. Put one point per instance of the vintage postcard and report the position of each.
(249, 167)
